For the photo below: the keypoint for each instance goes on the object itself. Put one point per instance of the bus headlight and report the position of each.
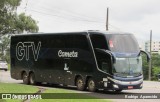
(105, 79)
(115, 86)
(105, 84)
(114, 80)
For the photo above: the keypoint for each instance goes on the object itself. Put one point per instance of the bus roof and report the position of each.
(80, 32)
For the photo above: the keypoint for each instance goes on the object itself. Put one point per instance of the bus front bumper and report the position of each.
(122, 85)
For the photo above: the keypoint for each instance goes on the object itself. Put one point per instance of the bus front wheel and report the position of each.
(25, 78)
(91, 85)
(80, 84)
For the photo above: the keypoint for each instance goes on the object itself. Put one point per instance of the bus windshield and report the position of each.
(123, 43)
(126, 51)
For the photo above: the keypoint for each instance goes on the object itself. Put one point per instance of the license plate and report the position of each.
(130, 87)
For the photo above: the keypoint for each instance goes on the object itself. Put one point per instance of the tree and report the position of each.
(155, 66)
(10, 21)
(155, 70)
(25, 23)
(145, 66)
(4, 48)
(7, 12)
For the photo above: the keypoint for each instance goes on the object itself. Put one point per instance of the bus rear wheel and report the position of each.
(25, 78)
(80, 84)
(91, 85)
(32, 79)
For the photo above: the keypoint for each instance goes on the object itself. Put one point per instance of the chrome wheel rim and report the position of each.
(91, 85)
(80, 83)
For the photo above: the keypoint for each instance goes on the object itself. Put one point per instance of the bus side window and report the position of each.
(105, 67)
(99, 41)
(103, 60)
(77, 42)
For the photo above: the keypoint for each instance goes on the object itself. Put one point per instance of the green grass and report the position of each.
(17, 88)
(9, 67)
(72, 100)
(20, 88)
(73, 97)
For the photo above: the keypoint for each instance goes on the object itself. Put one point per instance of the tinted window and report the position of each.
(99, 41)
(125, 43)
(66, 41)
(54, 41)
(77, 41)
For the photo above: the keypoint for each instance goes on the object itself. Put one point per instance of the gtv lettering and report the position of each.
(23, 48)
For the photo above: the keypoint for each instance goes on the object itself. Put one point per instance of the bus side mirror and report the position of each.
(147, 54)
(113, 57)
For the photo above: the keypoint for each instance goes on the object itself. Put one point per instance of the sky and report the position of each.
(133, 16)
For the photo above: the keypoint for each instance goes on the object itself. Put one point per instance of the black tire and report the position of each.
(38, 83)
(5, 70)
(25, 78)
(32, 79)
(118, 90)
(91, 85)
(80, 84)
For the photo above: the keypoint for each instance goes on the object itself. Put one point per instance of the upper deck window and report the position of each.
(99, 41)
(123, 43)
